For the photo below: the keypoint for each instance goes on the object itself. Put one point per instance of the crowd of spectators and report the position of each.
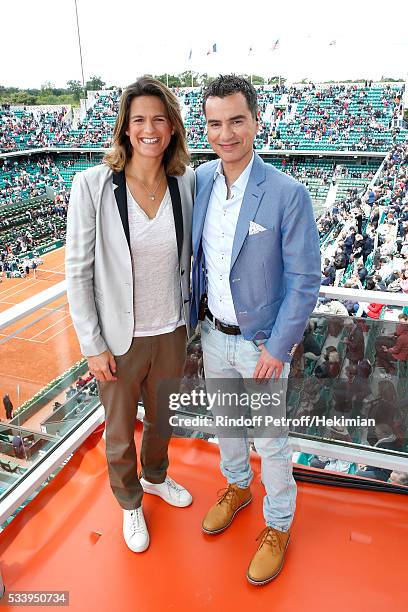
(28, 130)
(24, 179)
(343, 116)
(355, 117)
(38, 225)
(365, 239)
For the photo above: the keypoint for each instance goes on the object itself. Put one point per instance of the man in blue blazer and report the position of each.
(256, 277)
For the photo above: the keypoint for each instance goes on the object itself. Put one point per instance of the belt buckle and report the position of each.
(217, 324)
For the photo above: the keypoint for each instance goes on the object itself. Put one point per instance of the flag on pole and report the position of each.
(250, 50)
(212, 49)
(190, 55)
(275, 45)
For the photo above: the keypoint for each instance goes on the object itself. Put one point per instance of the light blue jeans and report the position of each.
(234, 357)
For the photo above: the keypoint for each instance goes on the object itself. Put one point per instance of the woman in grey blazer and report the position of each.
(128, 266)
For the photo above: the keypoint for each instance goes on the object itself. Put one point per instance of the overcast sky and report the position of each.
(122, 39)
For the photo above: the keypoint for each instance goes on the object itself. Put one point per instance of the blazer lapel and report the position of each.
(200, 209)
(177, 212)
(250, 203)
(121, 200)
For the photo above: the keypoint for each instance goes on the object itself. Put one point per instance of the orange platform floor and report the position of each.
(348, 551)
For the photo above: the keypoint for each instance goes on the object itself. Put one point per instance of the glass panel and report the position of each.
(348, 383)
(45, 385)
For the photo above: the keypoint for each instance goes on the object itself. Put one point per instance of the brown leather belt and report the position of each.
(231, 330)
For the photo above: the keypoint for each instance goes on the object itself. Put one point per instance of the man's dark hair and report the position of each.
(229, 84)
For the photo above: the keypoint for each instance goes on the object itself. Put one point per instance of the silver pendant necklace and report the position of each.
(151, 194)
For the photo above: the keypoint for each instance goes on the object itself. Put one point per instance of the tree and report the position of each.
(76, 88)
(47, 86)
(276, 79)
(23, 98)
(95, 83)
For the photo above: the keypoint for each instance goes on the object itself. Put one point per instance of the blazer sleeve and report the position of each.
(79, 267)
(301, 275)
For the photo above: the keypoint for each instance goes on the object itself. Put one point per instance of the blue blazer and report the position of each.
(274, 274)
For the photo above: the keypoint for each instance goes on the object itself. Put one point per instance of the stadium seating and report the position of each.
(312, 117)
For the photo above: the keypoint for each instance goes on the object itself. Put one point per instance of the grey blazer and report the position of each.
(98, 264)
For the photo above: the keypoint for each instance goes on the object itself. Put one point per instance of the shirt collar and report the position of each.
(242, 181)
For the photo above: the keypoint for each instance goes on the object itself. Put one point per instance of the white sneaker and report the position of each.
(135, 530)
(173, 493)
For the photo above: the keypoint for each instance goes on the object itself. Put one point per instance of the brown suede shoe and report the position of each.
(268, 559)
(220, 516)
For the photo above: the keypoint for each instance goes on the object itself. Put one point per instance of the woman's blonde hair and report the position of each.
(176, 156)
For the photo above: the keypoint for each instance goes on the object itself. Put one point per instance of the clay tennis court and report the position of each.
(42, 345)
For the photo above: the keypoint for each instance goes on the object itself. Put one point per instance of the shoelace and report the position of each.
(228, 496)
(136, 521)
(271, 537)
(173, 485)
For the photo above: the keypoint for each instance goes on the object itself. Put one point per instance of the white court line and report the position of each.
(23, 281)
(51, 337)
(21, 290)
(19, 338)
(49, 327)
(29, 380)
(13, 287)
(61, 265)
(53, 309)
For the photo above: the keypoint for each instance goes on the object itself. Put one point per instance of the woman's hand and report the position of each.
(103, 366)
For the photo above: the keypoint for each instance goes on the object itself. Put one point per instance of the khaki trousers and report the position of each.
(149, 360)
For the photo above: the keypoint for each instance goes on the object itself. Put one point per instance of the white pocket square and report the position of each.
(255, 228)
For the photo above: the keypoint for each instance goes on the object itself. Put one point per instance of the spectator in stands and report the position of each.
(361, 384)
(18, 446)
(357, 248)
(355, 342)
(374, 310)
(80, 383)
(371, 197)
(340, 262)
(390, 350)
(375, 216)
(358, 214)
(403, 281)
(128, 285)
(311, 348)
(399, 478)
(70, 392)
(330, 368)
(329, 270)
(367, 246)
(349, 242)
(362, 273)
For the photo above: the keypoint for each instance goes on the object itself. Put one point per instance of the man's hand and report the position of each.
(267, 366)
(103, 366)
